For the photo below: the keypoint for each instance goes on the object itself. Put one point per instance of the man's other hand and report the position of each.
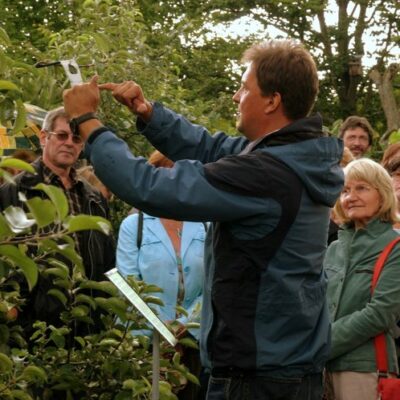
(130, 94)
(82, 99)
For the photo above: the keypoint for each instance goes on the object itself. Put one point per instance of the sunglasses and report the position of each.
(63, 137)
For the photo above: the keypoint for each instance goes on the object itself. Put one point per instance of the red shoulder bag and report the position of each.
(388, 388)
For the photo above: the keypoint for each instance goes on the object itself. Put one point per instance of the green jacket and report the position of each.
(356, 317)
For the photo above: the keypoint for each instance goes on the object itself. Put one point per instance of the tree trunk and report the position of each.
(386, 94)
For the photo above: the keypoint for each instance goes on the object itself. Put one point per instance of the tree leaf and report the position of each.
(20, 119)
(63, 283)
(109, 342)
(58, 294)
(5, 230)
(34, 374)
(79, 311)
(4, 39)
(165, 389)
(104, 286)
(4, 333)
(57, 197)
(42, 210)
(85, 222)
(151, 289)
(190, 377)
(102, 42)
(128, 384)
(62, 273)
(27, 265)
(153, 300)
(66, 250)
(5, 363)
(7, 85)
(181, 310)
(113, 305)
(17, 164)
(80, 340)
(176, 359)
(83, 298)
(192, 325)
(188, 343)
(20, 395)
(58, 339)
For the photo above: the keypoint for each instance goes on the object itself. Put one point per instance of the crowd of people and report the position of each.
(236, 228)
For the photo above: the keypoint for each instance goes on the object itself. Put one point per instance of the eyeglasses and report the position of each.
(63, 137)
(358, 189)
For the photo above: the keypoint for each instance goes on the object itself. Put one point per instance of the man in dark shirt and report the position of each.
(61, 150)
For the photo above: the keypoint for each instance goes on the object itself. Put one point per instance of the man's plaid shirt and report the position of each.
(74, 194)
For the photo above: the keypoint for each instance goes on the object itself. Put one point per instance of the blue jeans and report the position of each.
(309, 387)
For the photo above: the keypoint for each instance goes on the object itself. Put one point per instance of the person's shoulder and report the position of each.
(92, 192)
(130, 222)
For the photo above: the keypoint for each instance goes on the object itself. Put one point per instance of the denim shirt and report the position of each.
(156, 263)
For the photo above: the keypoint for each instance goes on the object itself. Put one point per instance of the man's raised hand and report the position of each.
(131, 95)
(82, 99)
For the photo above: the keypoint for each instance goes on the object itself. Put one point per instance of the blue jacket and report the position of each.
(155, 263)
(264, 306)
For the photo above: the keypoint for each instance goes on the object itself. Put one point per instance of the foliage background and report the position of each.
(172, 50)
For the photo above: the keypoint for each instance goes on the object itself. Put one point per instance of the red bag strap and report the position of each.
(380, 340)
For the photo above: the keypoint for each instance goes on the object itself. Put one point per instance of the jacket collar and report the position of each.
(374, 228)
(298, 131)
(189, 232)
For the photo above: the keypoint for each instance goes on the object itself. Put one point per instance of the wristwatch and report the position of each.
(75, 122)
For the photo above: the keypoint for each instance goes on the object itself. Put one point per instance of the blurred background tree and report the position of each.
(182, 54)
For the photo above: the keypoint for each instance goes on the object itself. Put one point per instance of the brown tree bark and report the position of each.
(383, 82)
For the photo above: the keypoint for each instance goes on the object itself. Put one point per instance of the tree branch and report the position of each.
(374, 12)
(360, 28)
(324, 33)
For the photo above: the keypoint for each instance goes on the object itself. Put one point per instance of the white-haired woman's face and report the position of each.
(360, 202)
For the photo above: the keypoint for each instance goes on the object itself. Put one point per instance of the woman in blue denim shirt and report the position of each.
(170, 256)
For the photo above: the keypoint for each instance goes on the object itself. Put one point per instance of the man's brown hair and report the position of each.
(287, 68)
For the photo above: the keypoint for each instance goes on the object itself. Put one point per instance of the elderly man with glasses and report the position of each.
(60, 151)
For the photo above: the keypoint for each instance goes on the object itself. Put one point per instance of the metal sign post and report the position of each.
(159, 327)
(155, 389)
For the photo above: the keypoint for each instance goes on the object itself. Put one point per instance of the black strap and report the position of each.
(97, 132)
(139, 235)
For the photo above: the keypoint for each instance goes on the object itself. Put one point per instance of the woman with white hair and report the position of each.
(367, 208)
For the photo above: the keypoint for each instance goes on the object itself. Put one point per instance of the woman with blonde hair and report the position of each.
(367, 208)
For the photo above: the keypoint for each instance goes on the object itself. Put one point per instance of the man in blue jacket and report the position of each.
(264, 327)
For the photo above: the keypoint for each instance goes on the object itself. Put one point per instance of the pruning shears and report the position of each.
(71, 69)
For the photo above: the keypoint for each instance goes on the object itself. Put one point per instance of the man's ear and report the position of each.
(272, 102)
(42, 137)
